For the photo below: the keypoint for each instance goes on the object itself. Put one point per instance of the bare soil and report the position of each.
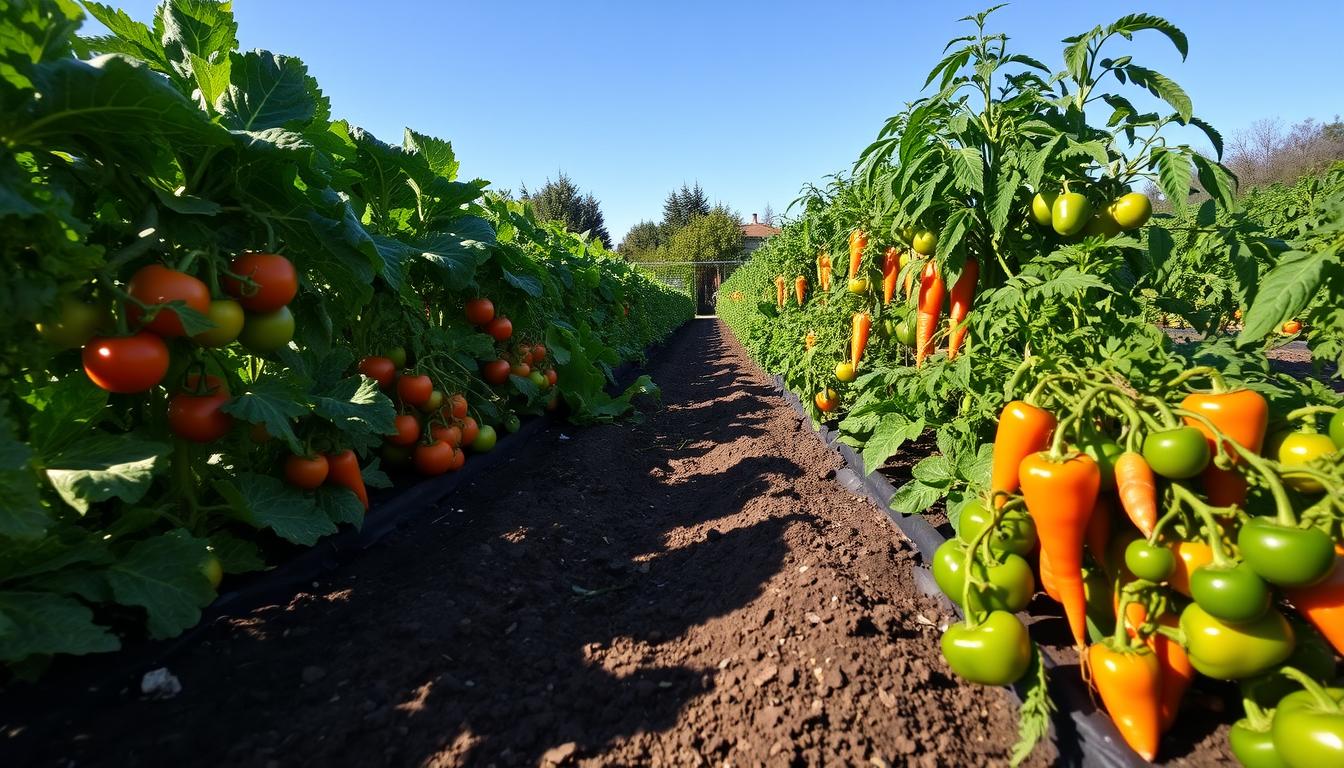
(692, 590)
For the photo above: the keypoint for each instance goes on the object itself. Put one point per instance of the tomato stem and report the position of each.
(1317, 691)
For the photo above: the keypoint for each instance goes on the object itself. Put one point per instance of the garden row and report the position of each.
(1182, 503)
(229, 315)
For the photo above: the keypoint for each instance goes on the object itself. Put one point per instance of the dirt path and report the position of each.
(694, 590)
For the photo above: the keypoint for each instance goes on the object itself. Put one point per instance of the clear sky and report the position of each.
(752, 99)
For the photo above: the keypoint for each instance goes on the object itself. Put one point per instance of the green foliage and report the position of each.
(200, 152)
(715, 236)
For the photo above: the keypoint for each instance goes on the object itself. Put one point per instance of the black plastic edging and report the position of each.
(1084, 736)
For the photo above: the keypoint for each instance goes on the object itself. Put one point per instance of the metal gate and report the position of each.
(698, 279)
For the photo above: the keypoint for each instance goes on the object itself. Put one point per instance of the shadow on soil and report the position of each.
(518, 618)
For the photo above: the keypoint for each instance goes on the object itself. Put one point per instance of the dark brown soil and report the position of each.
(693, 590)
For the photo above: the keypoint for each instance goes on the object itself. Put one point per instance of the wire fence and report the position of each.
(698, 279)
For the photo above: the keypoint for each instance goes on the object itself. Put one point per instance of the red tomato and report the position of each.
(458, 405)
(496, 371)
(415, 390)
(198, 418)
(538, 353)
(451, 434)
(305, 472)
(459, 458)
(157, 284)
(126, 364)
(521, 369)
(434, 459)
(470, 429)
(501, 328)
(552, 376)
(380, 369)
(480, 311)
(408, 430)
(277, 283)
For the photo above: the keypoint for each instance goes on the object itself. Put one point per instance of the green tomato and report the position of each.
(1041, 205)
(538, 380)
(1015, 534)
(887, 328)
(1286, 557)
(485, 440)
(1177, 454)
(1337, 428)
(1104, 451)
(905, 333)
(1252, 748)
(397, 355)
(1149, 562)
(76, 323)
(512, 423)
(228, 317)
(212, 570)
(1309, 732)
(925, 242)
(1070, 213)
(997, 651)
(268, 331)
(1010, 582)
(1226, 652)
(1233, 594)
(1102, 224)
(1301, 448)
(1132, 210)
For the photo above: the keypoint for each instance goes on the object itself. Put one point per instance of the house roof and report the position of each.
(757, 229)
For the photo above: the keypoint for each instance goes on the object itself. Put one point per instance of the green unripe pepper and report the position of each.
(1287, 557)
(1231, 652)
(997, 651)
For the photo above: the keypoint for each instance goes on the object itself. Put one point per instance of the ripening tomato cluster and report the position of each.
(254, 312)
(526, 361)
(1179, 536)
(1071, 214)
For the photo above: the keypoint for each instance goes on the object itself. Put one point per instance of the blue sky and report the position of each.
(751, 99)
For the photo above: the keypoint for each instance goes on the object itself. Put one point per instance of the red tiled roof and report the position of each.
(759, 230)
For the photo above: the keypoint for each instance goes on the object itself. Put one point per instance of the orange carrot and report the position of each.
(858, 338)
(858, 240)
(1060, 494)
(780, 284)
(963, 292)
(890, 268)
(1023, 430)
(800, 288)
(1137, 486)
(1130, 684)
(343, 470)
(930, 307)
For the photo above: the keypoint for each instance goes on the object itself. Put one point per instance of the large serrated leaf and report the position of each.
(1163, 88)
(356, 405)
(893, 431)
(269, 503)
(45, 623)
(1283, 293)
(273, 407)
(1173, 175)
(163, 576)
(102, 466)
(437, 153)
(968, 168)
(1134, 22)
(267, 90)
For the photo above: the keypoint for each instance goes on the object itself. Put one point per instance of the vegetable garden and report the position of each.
(237, 325)
(1182, 503)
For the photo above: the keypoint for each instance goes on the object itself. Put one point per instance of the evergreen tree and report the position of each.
(561, 200)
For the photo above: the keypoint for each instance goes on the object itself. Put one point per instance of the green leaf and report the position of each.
(893, 431)
(33, 623)
(269, 503)
(131, 37)
(1284, 293)
(1134, 22)
(968, 168)
(1215, 181)
(273, 406)
(1163, 88)
(1173, 174)
(437, 152)
(163, 576)
(1215, 138)
(525, 283)
(1001, 206)
(357, 406)
(915, 497)
(340, 505)
(64, 410)
(1075, 54)
(103, 466)
(267, 90)
(236, 555)
(934, 470)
